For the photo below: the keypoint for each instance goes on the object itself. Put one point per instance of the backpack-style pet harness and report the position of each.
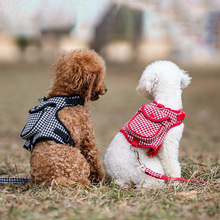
(43, 121)
(149, 126)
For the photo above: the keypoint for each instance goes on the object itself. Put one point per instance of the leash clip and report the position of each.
(142, 166)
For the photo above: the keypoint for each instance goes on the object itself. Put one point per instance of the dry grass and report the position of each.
(22, 84)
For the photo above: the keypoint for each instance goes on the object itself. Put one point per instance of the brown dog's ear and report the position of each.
(88, 85)
(77, 79)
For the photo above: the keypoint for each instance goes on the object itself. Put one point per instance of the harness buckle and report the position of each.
(42, 99)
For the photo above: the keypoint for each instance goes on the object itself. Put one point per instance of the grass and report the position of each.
(22, 84)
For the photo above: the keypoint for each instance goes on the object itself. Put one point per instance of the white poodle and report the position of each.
(163, 82)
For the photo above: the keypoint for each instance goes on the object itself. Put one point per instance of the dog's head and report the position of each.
(81, 72)
(162, 77)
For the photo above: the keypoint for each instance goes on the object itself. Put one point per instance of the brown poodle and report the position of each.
(78, 72)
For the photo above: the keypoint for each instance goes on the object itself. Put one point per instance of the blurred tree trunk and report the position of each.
(122, 24)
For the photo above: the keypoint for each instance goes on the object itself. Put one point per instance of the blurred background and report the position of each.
(129, 34)
(144, 30)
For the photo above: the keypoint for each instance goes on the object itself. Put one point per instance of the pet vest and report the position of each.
(43, 121)
(148, 127)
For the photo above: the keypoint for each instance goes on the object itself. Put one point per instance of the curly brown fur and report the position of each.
(78, 72)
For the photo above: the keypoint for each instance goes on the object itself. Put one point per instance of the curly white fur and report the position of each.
(162, 81)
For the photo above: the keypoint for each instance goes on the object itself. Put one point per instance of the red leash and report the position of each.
(160, 176)
(151, 173)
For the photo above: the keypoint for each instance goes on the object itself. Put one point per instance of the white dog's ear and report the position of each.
(185, 81)
(147, 83)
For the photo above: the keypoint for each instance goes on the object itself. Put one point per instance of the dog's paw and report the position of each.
(97, 177)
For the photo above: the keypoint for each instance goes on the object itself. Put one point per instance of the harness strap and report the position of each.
(65, 137)
(135, 142)
(181, 116)
(76, 101)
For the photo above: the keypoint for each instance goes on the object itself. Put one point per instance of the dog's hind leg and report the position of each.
(59, 163)
(90, 151)
(82, 133)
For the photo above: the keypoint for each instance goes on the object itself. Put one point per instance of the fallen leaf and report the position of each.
(188, 195)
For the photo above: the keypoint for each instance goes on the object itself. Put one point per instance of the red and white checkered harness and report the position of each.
(148, 127)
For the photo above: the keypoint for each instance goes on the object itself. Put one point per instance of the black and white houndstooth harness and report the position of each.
(44, 123)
